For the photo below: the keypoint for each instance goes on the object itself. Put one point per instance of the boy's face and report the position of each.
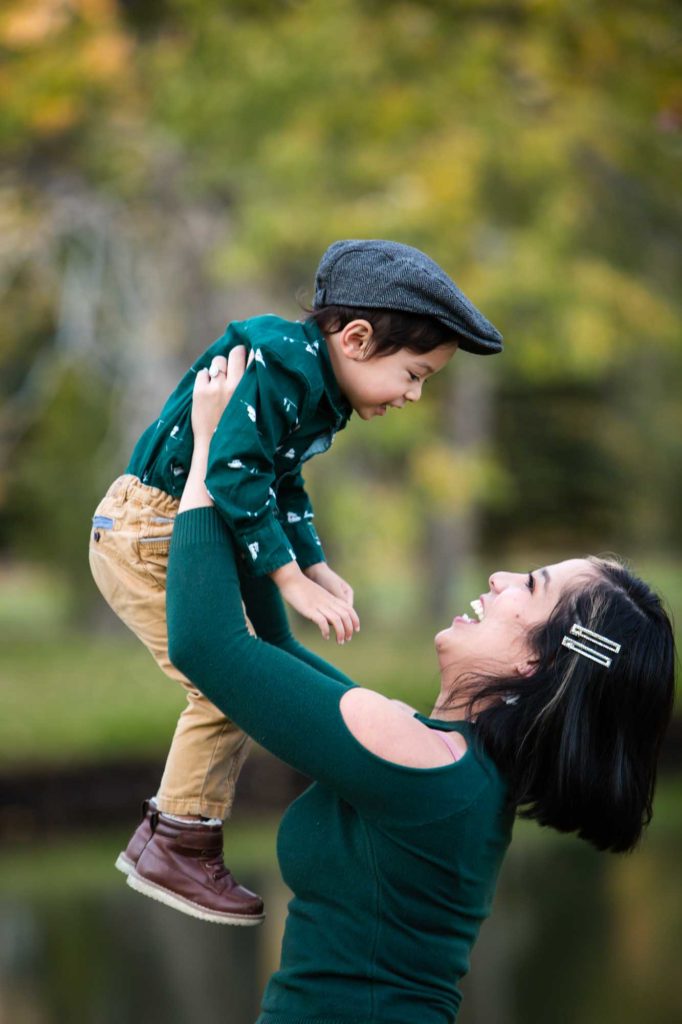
(373, 383)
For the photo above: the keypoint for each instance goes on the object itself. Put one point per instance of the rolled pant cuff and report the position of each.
(193, 805)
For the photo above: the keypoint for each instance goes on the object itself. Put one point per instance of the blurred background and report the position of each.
(174, 164)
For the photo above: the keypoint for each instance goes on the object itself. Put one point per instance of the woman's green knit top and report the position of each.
(392, 868)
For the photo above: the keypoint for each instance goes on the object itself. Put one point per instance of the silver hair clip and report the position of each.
(592, 638)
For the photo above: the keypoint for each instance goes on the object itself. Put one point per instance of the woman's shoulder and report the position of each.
(389, 729)
(407, 776)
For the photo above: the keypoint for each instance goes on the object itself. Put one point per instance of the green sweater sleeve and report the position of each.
(289, 707)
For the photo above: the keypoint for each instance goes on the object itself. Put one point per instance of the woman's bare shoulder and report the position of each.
(389, 729)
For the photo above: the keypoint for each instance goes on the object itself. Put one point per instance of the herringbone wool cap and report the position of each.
(376, 274)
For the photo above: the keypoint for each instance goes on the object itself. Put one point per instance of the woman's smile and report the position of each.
(515, 603)
(478, 609)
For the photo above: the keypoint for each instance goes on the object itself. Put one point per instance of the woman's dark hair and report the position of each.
(579, 742)
(392, 329)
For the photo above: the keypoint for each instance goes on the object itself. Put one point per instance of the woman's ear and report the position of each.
(525, 668)
(355, 339)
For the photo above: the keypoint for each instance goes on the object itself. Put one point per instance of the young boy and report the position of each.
(385, 318)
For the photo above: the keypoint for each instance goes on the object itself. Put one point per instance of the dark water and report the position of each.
(575, 938)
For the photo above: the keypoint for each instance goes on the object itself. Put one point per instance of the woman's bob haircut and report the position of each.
(579, 742)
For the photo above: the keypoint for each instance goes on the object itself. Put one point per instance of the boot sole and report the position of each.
(123, 864)
(185, 906)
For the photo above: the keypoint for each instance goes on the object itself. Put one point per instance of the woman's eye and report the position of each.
(530, 583)
(413, 376)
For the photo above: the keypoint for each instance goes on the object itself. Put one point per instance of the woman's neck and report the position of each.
(447, 710)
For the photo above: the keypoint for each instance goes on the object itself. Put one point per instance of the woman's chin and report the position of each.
(442, 638)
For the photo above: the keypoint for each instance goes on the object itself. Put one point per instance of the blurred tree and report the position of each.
(532, 148)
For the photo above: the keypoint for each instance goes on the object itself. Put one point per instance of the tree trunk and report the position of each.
(452, 537)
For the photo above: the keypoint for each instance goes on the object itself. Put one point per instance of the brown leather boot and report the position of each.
(182, 866)
(128, 858)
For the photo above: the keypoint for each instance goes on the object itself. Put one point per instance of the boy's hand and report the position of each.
(213, 389)
(315, 603)
(321, 574)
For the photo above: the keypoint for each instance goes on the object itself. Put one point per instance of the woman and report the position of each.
(555, 701)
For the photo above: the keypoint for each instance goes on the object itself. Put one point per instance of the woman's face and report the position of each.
(515, 602)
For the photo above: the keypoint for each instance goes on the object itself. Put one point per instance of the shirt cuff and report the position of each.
(303, 539)
(265, 548)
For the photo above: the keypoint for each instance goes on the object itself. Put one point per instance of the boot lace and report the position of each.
(217, 867)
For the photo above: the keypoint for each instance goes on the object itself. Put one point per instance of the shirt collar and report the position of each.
(340, 403)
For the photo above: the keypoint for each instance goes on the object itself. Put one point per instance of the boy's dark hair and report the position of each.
(580, 745)
(393, 330)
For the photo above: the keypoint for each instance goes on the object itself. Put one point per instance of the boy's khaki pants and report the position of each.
(129, 545)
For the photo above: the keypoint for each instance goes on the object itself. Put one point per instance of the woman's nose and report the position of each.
(414, 392)
(499, 580)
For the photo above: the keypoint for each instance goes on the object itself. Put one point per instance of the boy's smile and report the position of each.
(373, 383)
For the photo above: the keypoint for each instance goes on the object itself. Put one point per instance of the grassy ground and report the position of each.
(75, 697)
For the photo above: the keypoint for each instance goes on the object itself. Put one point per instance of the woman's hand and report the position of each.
(213, 389)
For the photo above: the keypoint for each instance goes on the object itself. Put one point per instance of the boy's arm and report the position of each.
(298, 519)
(261, 417)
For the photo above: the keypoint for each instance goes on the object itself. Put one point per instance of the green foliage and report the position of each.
(55, 485)
(532, 148)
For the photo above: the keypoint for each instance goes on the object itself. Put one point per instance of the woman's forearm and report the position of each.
(195, 494)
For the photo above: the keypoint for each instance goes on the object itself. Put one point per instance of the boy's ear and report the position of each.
(355, 339)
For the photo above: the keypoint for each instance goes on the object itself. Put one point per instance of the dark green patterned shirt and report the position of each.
(287, 408)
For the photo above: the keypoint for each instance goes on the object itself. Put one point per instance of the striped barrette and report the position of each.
(588, 643)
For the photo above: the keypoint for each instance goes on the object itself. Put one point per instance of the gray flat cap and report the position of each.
(376, 274)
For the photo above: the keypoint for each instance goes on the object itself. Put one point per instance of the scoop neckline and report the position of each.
(444, 725)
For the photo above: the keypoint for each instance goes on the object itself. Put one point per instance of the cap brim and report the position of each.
(478, 347)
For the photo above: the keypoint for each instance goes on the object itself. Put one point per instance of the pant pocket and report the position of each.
(153, 546)
(102, 523)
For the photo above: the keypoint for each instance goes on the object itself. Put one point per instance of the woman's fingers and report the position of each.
(218, 366)
(236, 364)
(228, 371)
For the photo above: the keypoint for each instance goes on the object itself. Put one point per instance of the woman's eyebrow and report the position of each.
(425, 366)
